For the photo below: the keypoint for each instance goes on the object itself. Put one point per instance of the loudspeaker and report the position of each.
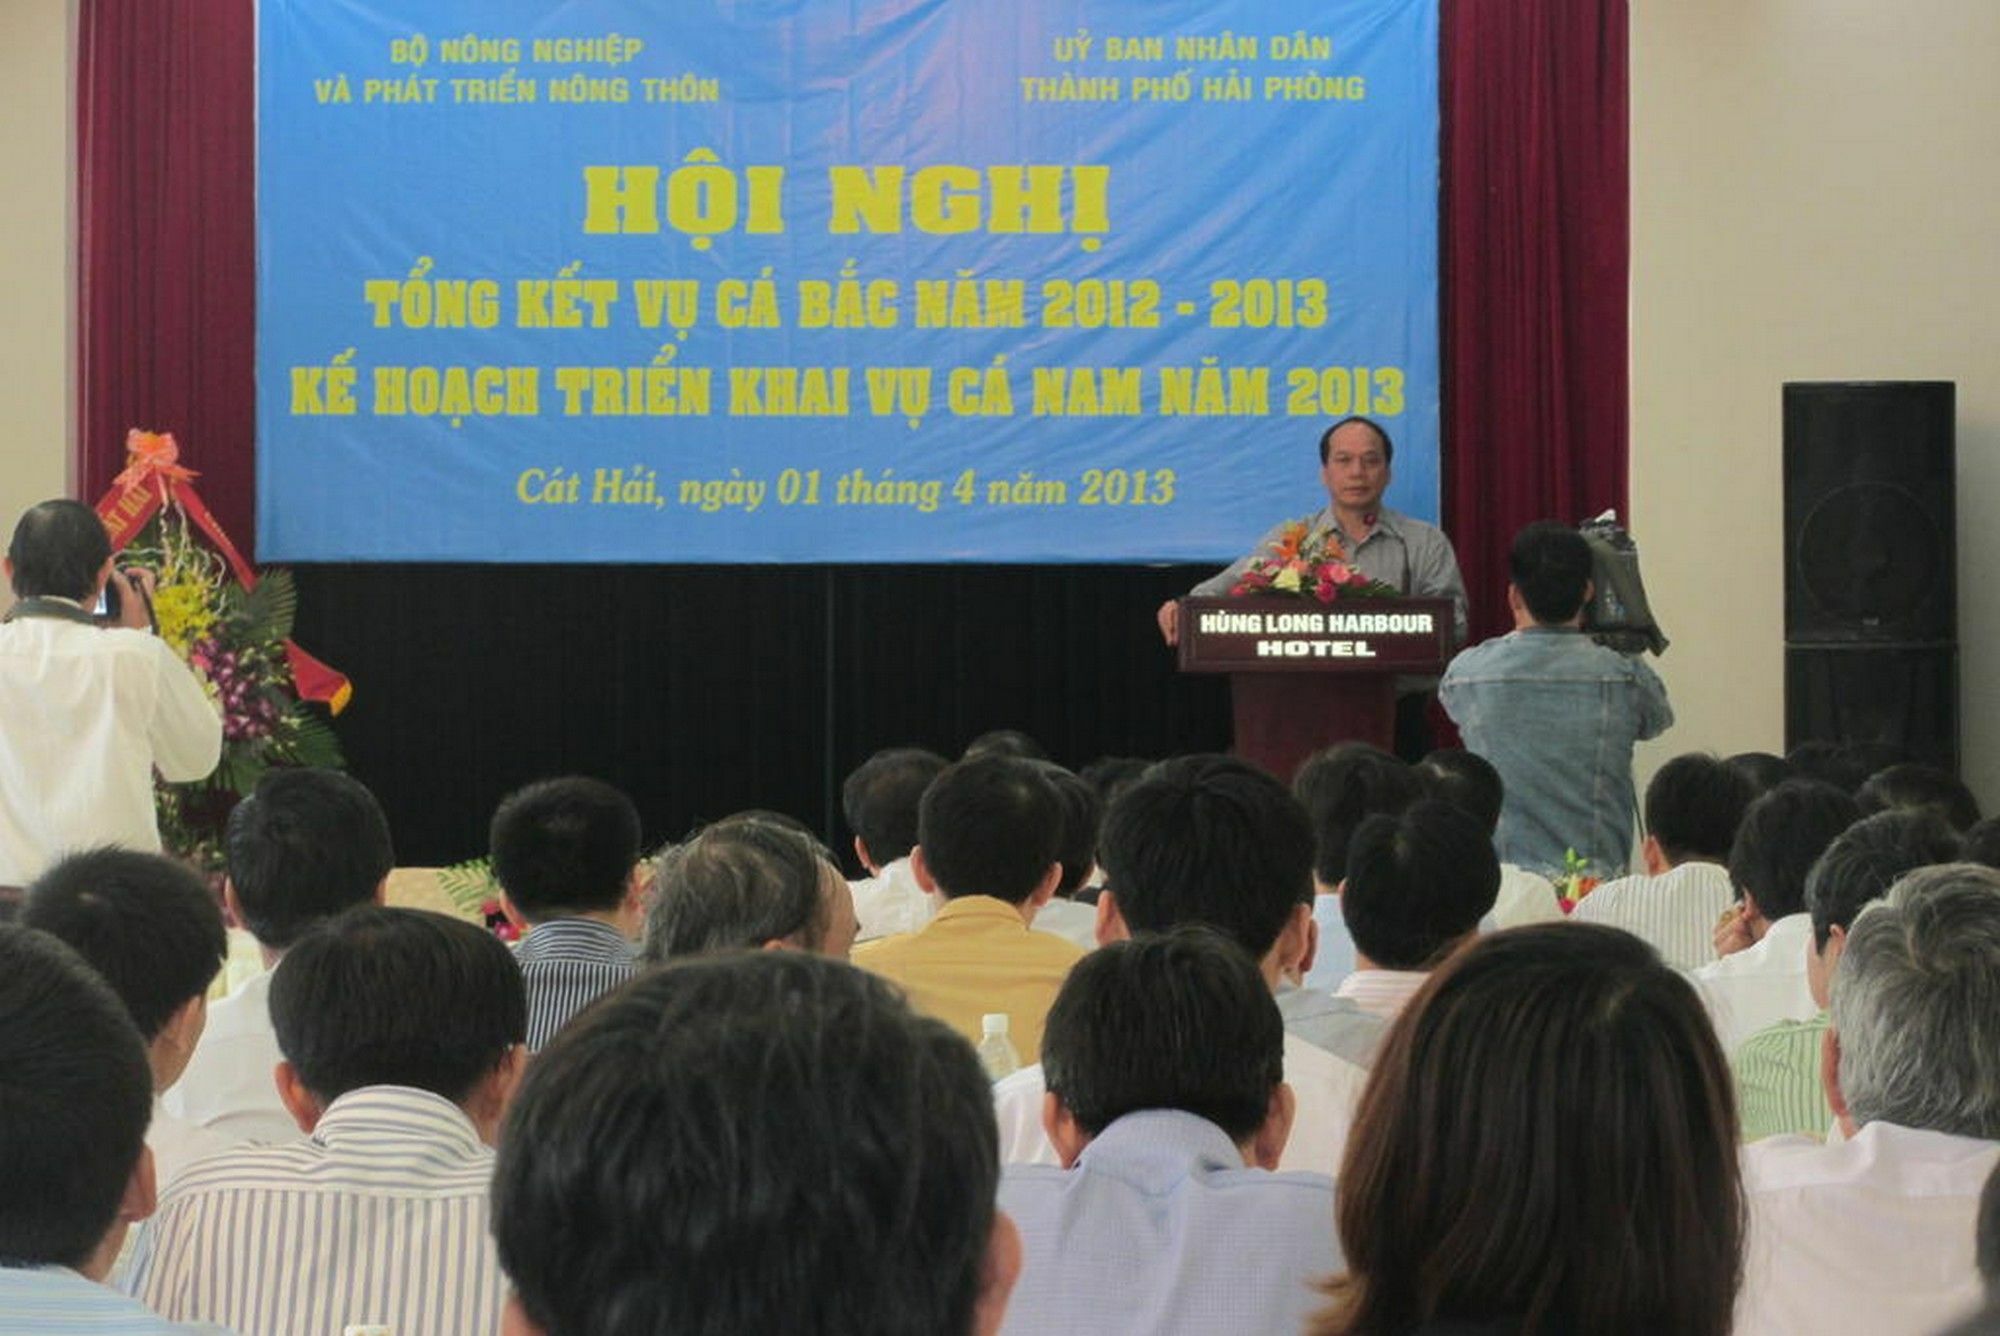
(1905, 698)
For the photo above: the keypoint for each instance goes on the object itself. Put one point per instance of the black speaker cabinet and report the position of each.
(1871, 566)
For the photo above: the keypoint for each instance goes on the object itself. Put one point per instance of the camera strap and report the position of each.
(49, 607)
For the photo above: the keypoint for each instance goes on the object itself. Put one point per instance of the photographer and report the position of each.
(88, 707)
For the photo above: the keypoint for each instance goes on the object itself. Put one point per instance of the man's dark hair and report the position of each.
(737, 884)
(75, 1097)
(1550, 564)
(1782, 835)
(758, 1142)
(57, 550)
(1343, 785)
(565, 846)
(1381, 434)
(148, 925)
(1864, 861)
(990, 825)
(880, 799)
(1082, 817)
(1210, 840)
(1764, 771)
(1467, 781)
(1418, 883)
(1112, 775)
(307, 844)
(1176, 1020)
(1694, 804)
(1923, 787)
(397, 997)
(1845, 765)
(1982, 843)
(1005, 742)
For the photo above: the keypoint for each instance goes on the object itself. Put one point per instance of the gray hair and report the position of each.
(1916, 1002)
(740, 883)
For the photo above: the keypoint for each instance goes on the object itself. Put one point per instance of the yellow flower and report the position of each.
(183, 614)
(1287, 579)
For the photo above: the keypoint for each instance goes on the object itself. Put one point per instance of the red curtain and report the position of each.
(1535, 240)
(166, 217)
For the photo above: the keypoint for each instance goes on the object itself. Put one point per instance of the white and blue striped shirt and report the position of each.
(54, 1301)
(568, 963)
(379, 1219)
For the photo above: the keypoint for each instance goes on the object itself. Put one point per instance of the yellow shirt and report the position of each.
(977, 955)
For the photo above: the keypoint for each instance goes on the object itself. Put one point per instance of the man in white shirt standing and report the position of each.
(880, 802)
(1876, 1233)
(87, 711)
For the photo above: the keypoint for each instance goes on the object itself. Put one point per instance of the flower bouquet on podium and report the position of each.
(1304, 562)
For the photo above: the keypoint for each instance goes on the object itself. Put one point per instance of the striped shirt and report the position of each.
(568, 963)
(54, 1301)
(1675, 912)
(1778, 1086)
(378, 1219)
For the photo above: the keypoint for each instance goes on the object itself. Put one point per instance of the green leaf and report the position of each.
(272, 606)
(470, 884)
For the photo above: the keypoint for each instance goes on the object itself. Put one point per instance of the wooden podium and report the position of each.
(1304, 675)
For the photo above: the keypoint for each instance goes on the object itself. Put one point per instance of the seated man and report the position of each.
(748, 884)
(1082, 818)
(1693, 807)
(566, 855)
(1911, 787)
(1215, 841)
(74, 1090)
(1469, 782)
(1556, 713)
(1761, 977)
(1167, 1107)
(880, 802)
(305, 846)
(1340, 787)
(153, 931)
(763, 1142)
(987, 836)
(401, 1032)
(1876, 1233)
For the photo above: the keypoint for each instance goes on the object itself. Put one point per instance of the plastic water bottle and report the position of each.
(996, 1051)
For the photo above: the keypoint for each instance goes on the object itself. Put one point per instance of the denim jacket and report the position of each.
(1557, 714)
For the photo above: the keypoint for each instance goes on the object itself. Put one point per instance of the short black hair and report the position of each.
(397, 997)
(1343, 785)
(1845, 765)
(1782, 835)
(305, 845)
(880, 799)
(76, 1094)
(1694, 804)
(1175, 1020)
(1082, 817)
(147, 924)
(762, 1141)
(1910, 785)
(57, 550)
(1467, 781)
(1210, 840)
(1550, 564)
(1005, 742)
(1865, 860)
(564, 846)
(1112, 775)
(1764, 770)
(1982, 843)
(739, 883)
(989, 825)
(1381, 434)
(1417, 883)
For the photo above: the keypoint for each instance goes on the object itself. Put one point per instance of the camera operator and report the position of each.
(89, 706)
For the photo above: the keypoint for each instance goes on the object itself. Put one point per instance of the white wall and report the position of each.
(1815, 196)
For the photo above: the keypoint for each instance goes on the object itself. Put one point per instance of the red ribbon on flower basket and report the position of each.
(153, 478)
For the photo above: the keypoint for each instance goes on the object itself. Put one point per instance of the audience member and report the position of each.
(880, 802)
(748, 884)
(988, 832)
(1340, 787)
(1168, 1108)
(1547, 1144)
(1878, 1230)
(1011, 742)
(1469, 782)
(1112, 775)
(1556, 712)
(1778, 1086)
(761, 1142)
(1923, 787)
(1082, 815)
(566, 855)
(1693, 806)
(306, 845)
(1764, 770)
(401, 1032)
(1761, 976)
(74, 1089)
(1845, 765)
(1982, 843)
(153, 931)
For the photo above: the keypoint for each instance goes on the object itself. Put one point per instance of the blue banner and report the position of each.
(835, 280)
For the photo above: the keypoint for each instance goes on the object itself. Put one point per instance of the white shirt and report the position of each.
(1760, 985)
(86, 713)
(1871, 1235)
(891, 902)
(1675, 912)
(177, 1143)
(1382, 993)
(1071, 920)
(1525, 897)
(378, 1219)
(228, 1086)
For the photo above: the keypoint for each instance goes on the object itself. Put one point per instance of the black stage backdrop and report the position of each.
(702, 691)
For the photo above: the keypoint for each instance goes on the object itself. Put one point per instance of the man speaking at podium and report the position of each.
(1355, 455)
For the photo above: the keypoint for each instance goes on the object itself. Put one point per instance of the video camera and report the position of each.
(1618, 616)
